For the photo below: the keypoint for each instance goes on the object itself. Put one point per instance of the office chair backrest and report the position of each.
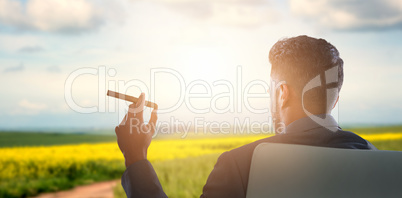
(285, 170)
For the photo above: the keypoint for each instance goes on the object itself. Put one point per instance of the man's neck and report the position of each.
(293, 115)
(291, 118)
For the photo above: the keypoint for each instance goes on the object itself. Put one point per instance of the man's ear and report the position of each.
(336, 102)
(284, 94)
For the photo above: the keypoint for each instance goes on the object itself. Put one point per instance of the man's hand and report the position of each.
(133, 136)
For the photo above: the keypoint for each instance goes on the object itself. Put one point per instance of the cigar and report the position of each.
(130, 99)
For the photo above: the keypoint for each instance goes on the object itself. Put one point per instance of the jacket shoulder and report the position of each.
(242, 156)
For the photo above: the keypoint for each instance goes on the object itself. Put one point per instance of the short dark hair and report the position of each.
(298, 60)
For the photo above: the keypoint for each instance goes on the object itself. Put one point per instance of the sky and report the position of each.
(58, 58)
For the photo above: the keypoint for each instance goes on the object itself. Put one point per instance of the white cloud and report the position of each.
(15, 68)
(31, 49)
(31, 106)
(351, 15)
(67, 16)
(226, 12)
(53, 69)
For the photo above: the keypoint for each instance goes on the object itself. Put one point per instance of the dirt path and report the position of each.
(97, 190)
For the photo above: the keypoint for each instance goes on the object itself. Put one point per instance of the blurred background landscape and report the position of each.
(48, 146)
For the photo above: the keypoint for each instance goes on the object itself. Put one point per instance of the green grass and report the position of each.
(379, 129)
(14, 139)
(61, 179)
(389, 145)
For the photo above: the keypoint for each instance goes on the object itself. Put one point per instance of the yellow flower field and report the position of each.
(17, 161)
(382, 136)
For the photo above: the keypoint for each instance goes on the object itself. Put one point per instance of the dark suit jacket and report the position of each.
(229, 177)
